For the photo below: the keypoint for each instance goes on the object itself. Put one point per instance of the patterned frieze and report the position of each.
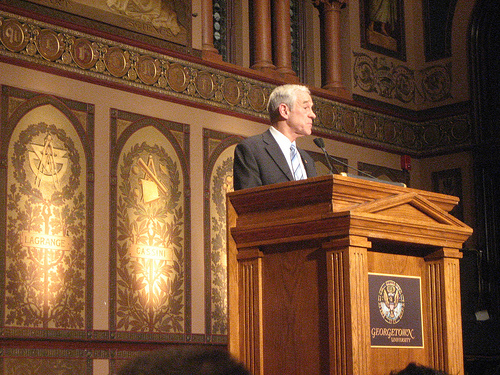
(74, 52)
(106, 61)
(397, 82)
(374, 129)
(46, 361)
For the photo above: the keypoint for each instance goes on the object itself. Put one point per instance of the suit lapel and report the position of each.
(276, 154)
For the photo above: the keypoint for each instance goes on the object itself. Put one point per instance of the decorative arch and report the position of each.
(47, 204)
(150, 255)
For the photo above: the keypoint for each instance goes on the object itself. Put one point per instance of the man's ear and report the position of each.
(283, 110)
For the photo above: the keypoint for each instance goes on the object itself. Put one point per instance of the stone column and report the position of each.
(282, 38)
(261, 36)
(331, 49)
(207, 33)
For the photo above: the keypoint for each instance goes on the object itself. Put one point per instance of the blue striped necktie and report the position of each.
(297, 170)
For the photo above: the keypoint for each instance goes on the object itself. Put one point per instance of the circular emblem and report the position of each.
(49, 44)
(177, 77)
(117, 61)
(436, 83)
(389, 131)
(391, 302)
(231, 90)
(370, 126)
(257, 98)
(84, 53)
(14, 35)
(326, 114)
(205, 84)
(148, 69)
(349, 122)
(432, 136)
(460, 129)
(408, 135)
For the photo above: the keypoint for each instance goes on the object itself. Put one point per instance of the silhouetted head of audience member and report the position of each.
(184, 361)
(416, 369)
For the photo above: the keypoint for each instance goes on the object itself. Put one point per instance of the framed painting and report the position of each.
(382, 27)
(166, 20)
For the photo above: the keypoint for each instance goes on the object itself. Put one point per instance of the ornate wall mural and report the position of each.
(47, 240)
(390, 81)
(164, 19)
(150, 251)
(218, 150)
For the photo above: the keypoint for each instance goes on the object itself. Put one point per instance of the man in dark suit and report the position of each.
(267, 158)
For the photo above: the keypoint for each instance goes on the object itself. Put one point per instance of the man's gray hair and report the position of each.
(285, 94)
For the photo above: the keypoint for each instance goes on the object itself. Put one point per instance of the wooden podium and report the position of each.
(300, 259)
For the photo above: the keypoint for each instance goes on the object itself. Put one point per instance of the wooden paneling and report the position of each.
(308, 276)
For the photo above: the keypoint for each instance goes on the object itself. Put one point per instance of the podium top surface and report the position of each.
(343, 191)
(335, 205)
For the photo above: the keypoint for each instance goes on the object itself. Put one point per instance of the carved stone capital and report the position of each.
(327, 5)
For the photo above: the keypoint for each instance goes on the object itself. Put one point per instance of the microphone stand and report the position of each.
(333, 170)
(364, 175)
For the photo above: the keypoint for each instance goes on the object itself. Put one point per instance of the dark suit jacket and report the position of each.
(258, 161)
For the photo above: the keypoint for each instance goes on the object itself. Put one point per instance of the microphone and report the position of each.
(321, 144)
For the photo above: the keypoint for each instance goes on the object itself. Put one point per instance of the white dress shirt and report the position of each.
(285, 144)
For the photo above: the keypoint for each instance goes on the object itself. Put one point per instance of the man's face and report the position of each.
(300, 118)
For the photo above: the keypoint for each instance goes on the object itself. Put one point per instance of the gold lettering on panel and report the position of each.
(45, 241)
(84, 53)
(46, 224)
(14, 35)
(50, 44)
(148, 69)
(150, 252)
(117, 61)
(150, 285)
